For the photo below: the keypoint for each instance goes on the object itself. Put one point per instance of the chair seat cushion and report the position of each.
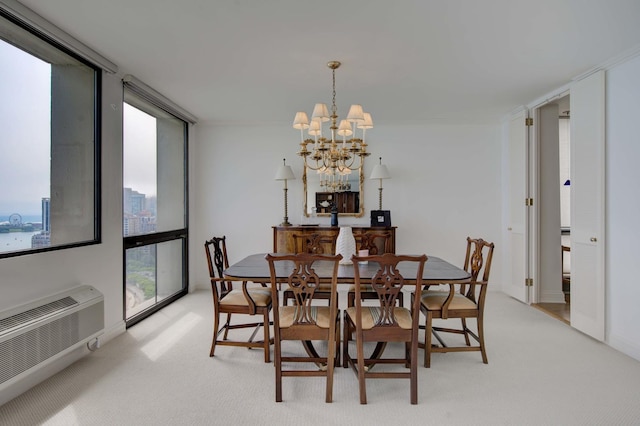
(320, 314)
(363, 288)
(322, 288)
(236, 297)
(433, 301)
(371, 315)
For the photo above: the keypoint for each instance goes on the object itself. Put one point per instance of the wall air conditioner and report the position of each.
(36, 334)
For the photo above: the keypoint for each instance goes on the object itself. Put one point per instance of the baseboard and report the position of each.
(631, 349)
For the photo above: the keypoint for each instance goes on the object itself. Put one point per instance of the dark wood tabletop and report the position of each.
(436, 270)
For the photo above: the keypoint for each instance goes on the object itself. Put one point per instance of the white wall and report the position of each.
(445, 186)
(622, 207)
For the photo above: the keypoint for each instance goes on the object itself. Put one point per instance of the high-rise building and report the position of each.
(46, 215)
(43, 239)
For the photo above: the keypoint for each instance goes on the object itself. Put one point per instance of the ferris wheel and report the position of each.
(15, 219)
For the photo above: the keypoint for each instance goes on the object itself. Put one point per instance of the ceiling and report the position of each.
(405, 61)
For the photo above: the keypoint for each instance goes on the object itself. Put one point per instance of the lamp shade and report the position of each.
(344, 129)
(355, 114)
(320, 111)
(284, 173)
(367, 123)
(380, 172)
(300, 121)
(315, 128)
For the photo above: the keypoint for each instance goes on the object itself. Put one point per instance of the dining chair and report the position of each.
(229, 300)
(372, 242)
(303, 321)
(461, 301)
(315, 243)
(384, 322)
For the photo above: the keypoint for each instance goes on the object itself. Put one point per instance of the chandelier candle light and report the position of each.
(285, 173)
(330, 156)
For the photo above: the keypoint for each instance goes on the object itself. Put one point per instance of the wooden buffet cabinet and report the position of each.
(284, 241)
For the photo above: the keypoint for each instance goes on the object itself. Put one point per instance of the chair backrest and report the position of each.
(315, 243)
(478, 263)
(373, 242)
(388, 281)
(217, 262)
(303, 281)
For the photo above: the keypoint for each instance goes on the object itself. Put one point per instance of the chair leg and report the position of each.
(278, 364)
(414, 369)
(427, 340)
(226, 329)
(481, 339)
(346, 335)
(337, 340)
(331, 355)
(361, 372)
(466, 332)
(267, 339)
(216, 325)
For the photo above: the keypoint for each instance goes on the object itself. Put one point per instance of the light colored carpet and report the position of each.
(540, 372)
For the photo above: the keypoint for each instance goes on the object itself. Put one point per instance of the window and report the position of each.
(50, 124)
(154, 204)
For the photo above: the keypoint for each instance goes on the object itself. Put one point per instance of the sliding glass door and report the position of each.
(155, 206)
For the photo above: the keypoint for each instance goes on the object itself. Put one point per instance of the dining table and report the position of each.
(436, 271)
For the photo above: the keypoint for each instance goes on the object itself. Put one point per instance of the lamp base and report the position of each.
(286, 223)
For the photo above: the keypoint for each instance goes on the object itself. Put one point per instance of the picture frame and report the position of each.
(380, 218)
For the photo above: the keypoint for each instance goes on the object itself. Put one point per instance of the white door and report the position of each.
(587, 204)
(516, 253)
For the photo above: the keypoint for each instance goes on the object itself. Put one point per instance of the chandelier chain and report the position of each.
(334, 109)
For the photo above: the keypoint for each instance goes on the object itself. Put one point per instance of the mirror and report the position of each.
(349, 199)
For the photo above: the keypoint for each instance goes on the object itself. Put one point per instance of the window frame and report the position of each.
(144, 94)
(24, 24)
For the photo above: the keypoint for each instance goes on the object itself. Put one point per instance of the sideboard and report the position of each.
(284, 240)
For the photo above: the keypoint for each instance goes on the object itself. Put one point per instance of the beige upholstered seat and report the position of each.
(371, 315)
(227, 300)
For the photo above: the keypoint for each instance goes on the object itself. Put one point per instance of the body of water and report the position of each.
(15, 240)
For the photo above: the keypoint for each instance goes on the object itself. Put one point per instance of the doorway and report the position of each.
(554, 218)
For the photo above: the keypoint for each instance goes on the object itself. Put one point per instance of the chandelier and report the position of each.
(335, 180)
(331, 157)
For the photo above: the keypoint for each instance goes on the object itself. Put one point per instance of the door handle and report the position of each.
(509, 229)
(593, 239)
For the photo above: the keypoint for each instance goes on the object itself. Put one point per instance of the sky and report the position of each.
(25, 139)
(139, 151)
(25, 102)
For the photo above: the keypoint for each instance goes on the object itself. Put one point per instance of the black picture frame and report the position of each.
(380, 218)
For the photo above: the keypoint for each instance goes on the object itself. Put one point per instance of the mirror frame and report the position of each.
(359, 213)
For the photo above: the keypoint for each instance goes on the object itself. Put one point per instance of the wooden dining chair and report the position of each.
(375, 243)
(303, 321)
(384, 322)
(229, 300)
(315, 244)
(461, 301)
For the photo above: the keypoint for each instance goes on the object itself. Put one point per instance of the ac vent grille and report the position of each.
(33, 347)
(36, 314)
